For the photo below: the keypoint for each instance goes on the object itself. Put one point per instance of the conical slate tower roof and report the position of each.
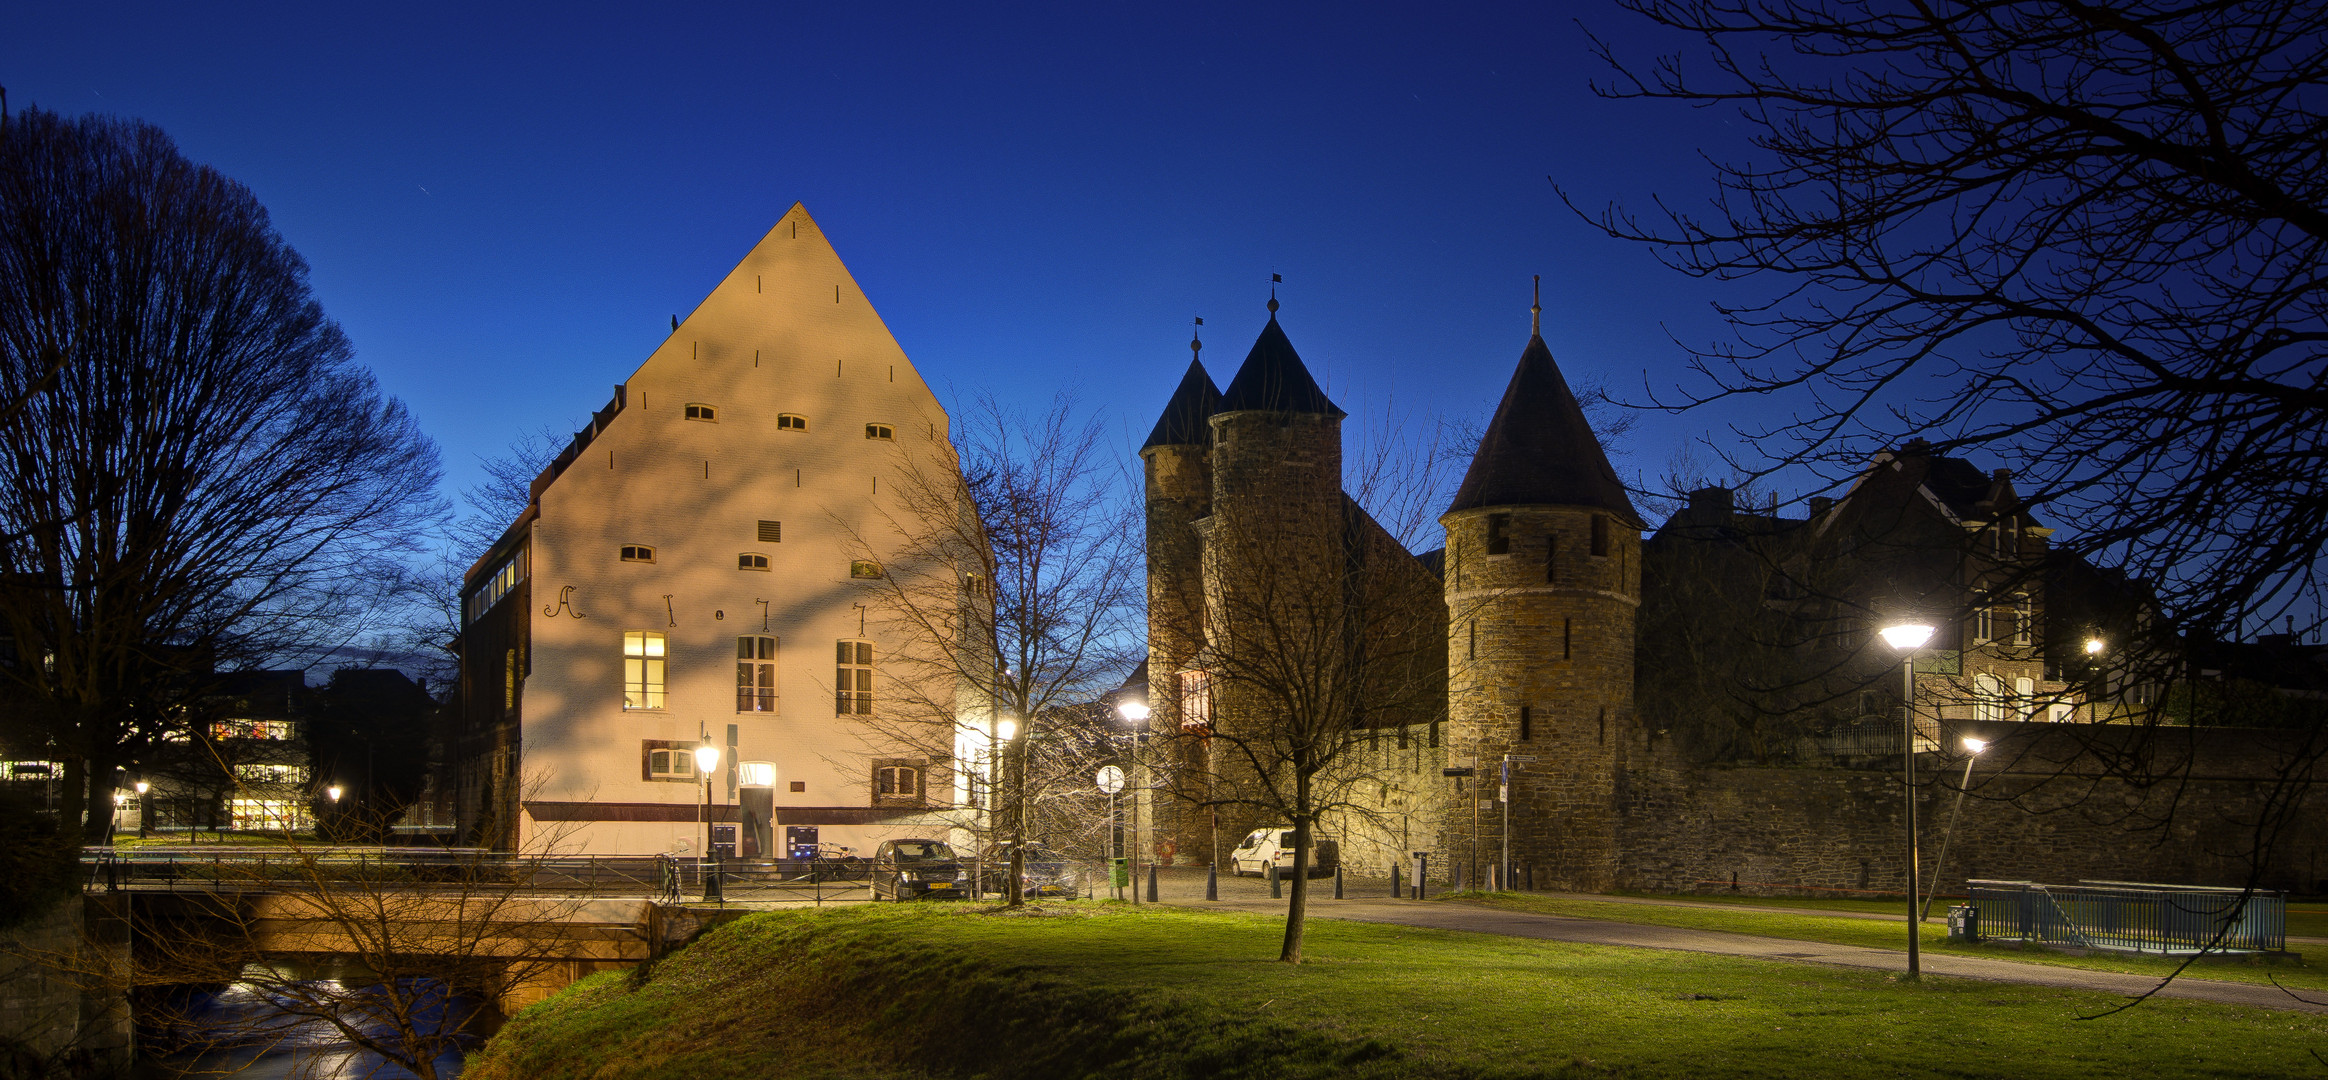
(1184, 420)
(1539, 450)
(1274, 378)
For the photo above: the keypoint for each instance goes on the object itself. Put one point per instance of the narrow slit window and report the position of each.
(637, 553)
(1551, 560)
(1567, 639)
(1527, 725)
(791, 422)
(702, 412)
(751, 560)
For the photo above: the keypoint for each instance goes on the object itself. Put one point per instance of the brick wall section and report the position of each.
(2031, 813)
(1562, 648)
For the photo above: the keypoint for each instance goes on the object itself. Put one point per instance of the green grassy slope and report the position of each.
(1077, 990)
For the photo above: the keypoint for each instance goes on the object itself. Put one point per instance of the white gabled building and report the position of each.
(686, 572)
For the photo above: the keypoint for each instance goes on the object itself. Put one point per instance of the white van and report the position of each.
(1274, 844)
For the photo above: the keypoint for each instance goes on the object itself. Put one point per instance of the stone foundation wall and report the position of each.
(2032, 816)
(62, 1009)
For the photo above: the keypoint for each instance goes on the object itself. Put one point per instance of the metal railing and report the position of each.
(2125, 916)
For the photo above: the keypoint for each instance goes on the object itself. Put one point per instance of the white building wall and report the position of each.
(788, 331)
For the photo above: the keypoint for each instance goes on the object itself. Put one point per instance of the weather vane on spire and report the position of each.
(1536, 310)
(1274, 279)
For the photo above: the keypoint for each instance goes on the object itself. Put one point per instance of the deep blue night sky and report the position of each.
(505, 209)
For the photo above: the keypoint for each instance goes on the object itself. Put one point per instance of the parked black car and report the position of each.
(1048, 873)
(907, 869)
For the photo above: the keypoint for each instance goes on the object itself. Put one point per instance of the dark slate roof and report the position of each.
(1274, 379)
(1539, 449)
(1970, 493)
(1184, 420)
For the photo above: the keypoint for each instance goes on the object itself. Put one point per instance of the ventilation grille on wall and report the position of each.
(771, 532)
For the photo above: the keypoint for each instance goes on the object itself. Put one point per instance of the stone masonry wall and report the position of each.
(1804, 830)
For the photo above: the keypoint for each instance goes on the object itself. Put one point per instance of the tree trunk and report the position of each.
(1297, 905)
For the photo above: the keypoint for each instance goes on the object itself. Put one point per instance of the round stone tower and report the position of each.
(1177, 463)
(1543, 574)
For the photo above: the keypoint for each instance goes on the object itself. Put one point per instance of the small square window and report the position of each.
(791, 422)
(637, 553)
(771, 532)
(702, 412)
(800, 785)
(751, 560)
(879, 431)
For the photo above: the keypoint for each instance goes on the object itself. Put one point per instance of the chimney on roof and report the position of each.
(1820, 504)
(1918, 445)
(1711, 500)
(2000, 474)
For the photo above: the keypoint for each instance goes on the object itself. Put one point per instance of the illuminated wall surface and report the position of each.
(756, 410)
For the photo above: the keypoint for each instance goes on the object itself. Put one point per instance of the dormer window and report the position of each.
(791, 422)
(702, 412)
(880, 431)
(1499, 529)
(751, 560)
(637, 553)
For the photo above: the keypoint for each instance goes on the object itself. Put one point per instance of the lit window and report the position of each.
(771, 532)
(2021, 617)
(2025, 698)
(791, 422)
(853, 678)
(755, 674)
(974, 584)
(702, 412)
(879, 431)
(643, 653)
(270, 773)
(271, 730)
(864, 568)
(637, 553)
(1988, 698)
(1984, 622)
(756, 774)
(751, 560)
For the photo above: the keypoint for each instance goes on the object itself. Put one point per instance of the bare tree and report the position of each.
(1009, 582)
(1322, 629)
(2083, 236)
(208, 482)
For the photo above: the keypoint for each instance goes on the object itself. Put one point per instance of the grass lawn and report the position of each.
(1080, 989)
(1748, 918)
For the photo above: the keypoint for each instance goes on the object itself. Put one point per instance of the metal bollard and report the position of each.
(1422, 874)
(1151, 883)
(1275, 891)
(1394, 893)
(1212, 882)
(1337, 882)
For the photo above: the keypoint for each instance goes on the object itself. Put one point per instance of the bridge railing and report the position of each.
(2126, 916)
(263, 868)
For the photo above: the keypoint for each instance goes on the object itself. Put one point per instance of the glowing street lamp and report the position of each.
(1006, 729)
(334, 792)
(1135, 712)
(1906, 638)
(1972, 749)
(145, 810)
(707, 759)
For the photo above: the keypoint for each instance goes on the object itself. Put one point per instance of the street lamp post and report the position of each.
(145, 809)
(1008, 729)
(1906, 638)
(1135, 712)
(707, 759)
(1972, 749)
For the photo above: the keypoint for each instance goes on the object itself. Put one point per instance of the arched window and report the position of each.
(702, 412)
(637, 553)
(751, 560)
(880, 431)
(791, 422)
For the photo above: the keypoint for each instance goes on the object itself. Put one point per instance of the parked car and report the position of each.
(1047, 873)
(1274, 844)
(907, 869)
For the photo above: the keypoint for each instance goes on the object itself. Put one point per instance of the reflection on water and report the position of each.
(326, 1020)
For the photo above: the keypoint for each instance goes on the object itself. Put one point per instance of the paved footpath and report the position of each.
(1456, 915)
